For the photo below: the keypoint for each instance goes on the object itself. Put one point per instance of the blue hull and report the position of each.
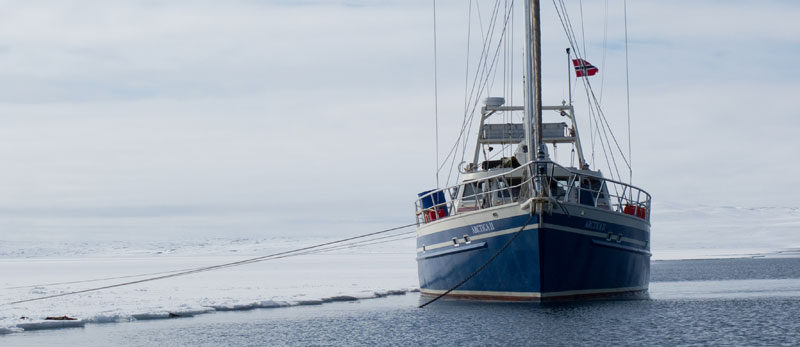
(556, 257)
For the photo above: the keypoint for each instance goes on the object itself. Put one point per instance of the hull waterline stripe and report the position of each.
(483, 293)
(533, 295)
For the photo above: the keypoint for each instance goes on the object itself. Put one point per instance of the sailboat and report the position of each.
(524, 227)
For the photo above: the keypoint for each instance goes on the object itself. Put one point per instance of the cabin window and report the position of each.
(502, 190)
(591, 192)
(587, 193)
(515, 184)
(558, 188)
(469, 192)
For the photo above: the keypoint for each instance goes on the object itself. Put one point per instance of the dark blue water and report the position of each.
(732, 302)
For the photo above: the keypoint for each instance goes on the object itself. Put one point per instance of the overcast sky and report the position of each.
(236, 117)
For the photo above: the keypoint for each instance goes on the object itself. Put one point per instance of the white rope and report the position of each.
(327, 246)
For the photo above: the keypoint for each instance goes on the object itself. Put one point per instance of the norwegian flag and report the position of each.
(584, 68)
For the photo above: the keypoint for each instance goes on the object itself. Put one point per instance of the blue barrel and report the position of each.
(434, 199)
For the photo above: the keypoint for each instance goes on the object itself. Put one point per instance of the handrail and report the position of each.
(496, 190)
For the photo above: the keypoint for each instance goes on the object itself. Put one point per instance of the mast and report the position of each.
(537, 73)
(533, 87)
(529, 88)
(533, 81)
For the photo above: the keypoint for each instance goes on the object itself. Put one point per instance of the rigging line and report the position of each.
(466, 73)
(505, 75)
(583, 37)
(484, 55)
(478, 77)
(591, 135)
(511, 63)
(436, 92)
(600, 135)
(469, 116)
(569, 31)
(603, 117)
(628, 94)
(603, 62)
(567, 23)
(587, 86)
(480, 20)
(487, 69)
(481, 89)
(508, 243)
(582, 53)
(488, 38)
(494, 75)
(605, 41)
(487, 46)
(592, 122)
(571, 37)
(573, 43)
(504, 43)
(602, 144)
(215, 267)
(482, 63)
(583, 31)
(511, 71)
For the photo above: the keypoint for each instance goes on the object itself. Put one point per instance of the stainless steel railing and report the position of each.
(555, 181)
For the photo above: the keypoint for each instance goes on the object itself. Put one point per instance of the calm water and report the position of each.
(692, 302)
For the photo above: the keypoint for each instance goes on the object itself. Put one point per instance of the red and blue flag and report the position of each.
(583, 68)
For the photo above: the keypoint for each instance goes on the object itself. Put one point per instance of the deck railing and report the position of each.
(560, 184)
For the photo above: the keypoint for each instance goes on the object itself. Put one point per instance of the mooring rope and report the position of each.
(97, 279)
(508, 243)
(344, 246)
(226, 265)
